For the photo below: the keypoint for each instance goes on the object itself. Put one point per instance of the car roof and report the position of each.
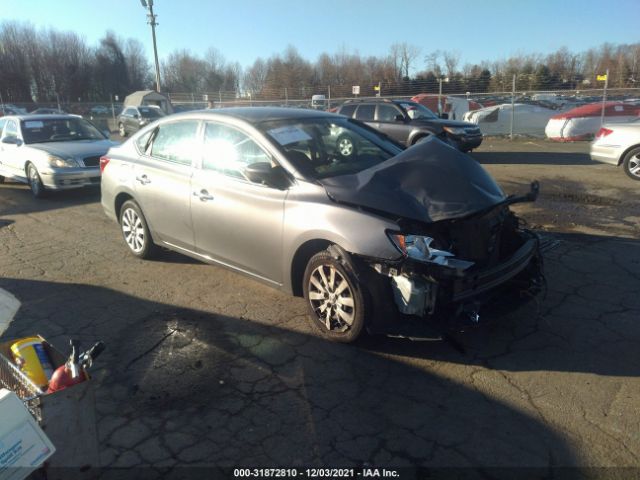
(256, 115)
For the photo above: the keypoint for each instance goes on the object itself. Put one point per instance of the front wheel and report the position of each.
(631, 163)
(335, 299)
(121, 130)
(345, 146)
(35, 182)
(135, 231)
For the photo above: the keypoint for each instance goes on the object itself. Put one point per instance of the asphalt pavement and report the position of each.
(207, 368)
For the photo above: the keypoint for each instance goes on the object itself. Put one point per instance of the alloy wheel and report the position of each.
(133, 230)
(345, 146)
(331, 298)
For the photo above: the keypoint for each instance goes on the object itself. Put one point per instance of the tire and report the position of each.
(631, 163)
(121, 130)
(135, 231)
(35, 182)
(345, 146)
(337, 310)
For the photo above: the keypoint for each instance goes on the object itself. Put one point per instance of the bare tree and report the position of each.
(138, 67)
(255, 77)
(403, 56)
(451, 60)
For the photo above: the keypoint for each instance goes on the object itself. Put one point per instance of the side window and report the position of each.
(387, 113)
(143, 141)
(348, 110)
(365, 112)
(11, 130)
(177, 142)
(229, 151)
(2, 123)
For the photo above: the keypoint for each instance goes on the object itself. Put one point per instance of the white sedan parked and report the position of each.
(619, 144)
(51, 152)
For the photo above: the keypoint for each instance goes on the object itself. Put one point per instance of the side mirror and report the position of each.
(444, 116)
(12, 141)
(264, 173)
(398, 118)
(135, 115)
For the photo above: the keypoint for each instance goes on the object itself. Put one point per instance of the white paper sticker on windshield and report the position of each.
(618, 108)
(288, 135)
(34, 124)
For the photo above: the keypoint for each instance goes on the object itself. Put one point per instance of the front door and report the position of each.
(237, 222)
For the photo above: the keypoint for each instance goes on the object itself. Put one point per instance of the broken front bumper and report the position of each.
(438, 294)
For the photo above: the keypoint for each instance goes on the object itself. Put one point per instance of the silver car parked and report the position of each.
(388, 240)
(51, 152)
(619, 144)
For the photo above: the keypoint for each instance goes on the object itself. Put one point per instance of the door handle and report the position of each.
(143, 179)
(203, 195)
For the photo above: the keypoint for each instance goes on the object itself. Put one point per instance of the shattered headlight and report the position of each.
(418, 247)
(55, 161)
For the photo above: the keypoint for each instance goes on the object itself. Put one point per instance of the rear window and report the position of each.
(151, 112)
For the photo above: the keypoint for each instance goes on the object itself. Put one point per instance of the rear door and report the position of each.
(163, 181)
(237, 222)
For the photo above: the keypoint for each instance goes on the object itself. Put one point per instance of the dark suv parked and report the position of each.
(133, 119)
(408, 122)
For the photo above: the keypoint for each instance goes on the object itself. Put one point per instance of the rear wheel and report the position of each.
(631, 163)
(35, 182)
(335, 298)
(135, 231)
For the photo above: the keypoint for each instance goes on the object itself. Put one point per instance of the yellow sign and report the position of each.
(601, 78)
(377, 88)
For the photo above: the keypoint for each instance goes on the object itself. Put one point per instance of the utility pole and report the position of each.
(151, 20)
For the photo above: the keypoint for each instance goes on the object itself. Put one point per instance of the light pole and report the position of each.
(151, 20)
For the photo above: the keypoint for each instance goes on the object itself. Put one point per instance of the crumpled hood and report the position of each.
(75, 148)
(428, 182)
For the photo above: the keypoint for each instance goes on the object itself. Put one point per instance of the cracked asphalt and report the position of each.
(205, 368)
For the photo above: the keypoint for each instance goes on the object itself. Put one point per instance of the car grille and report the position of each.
(91, 161)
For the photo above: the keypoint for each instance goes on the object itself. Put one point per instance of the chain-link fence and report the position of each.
(563, 115)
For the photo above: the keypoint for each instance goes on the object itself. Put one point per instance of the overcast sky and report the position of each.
(245, 30)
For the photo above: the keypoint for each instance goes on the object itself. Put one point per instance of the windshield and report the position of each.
(59, 130)
(151, 112)
(417, 111)
(327, 147)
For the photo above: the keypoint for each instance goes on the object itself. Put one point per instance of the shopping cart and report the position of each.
(12, 378)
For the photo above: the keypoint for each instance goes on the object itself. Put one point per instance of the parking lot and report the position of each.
(204, 367)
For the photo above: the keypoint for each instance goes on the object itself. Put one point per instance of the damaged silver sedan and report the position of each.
(386, 239)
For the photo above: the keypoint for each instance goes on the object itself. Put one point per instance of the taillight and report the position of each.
(603, 132)
(103, 163)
